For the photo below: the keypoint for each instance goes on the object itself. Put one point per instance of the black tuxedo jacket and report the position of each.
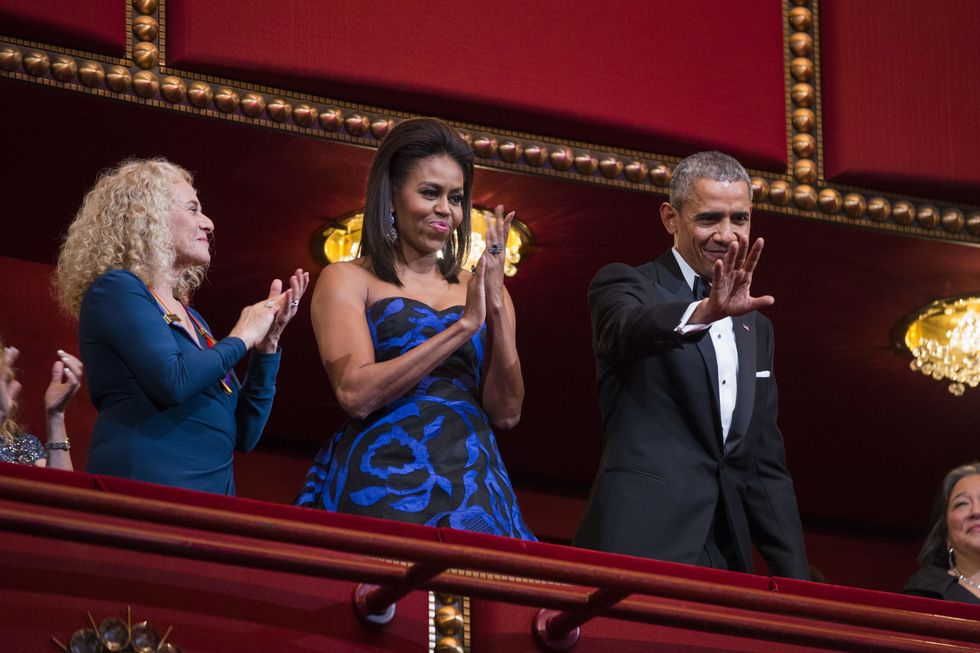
(665, 467)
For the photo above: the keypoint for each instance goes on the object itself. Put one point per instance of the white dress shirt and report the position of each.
(723, 339)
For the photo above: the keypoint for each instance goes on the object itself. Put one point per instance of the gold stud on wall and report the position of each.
(145, 84)
(252, 104)
(173, 89)
(801, 68)
(37, 63)
(879, 209)
(448, 620)
(356, 124)
(854, 205)
(800, 19)
(830, 201)
(801, 44)
(903, 213)
(10, 58)
(805, 171)
(145, 55)
(145, 7)
(331, 119)
(561, 158)
(280, 110)
(145, 28)
(661, 174)
(510, 151)
(953, 220)
(804, 120)
(226, 99)
(805, 197)
(536, 155)
(64, 68)
(636, 171)
(585, 163)
(304, 114)
(610, 167)
(381, 127)
(973, 223)
(779, 192)
(118, 79)
(927, 216)
(91, 73)
(804, 146)
(760, 189)
(200, 94)
(803, 95)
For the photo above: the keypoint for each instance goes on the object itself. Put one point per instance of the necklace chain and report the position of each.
(964, 579)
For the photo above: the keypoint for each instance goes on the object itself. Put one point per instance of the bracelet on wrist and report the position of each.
(63, 445)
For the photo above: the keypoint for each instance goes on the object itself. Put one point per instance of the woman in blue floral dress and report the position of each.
(421, 353)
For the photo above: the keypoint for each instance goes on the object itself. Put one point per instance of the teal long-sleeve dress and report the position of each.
(165, 415)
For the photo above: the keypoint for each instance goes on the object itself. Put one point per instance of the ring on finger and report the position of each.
(495, 248)
(269, 303)
(295, 302)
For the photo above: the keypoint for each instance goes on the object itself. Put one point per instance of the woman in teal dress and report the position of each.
(171, 409)
(421, 354)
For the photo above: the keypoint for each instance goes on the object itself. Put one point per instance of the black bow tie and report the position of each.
(702, 287)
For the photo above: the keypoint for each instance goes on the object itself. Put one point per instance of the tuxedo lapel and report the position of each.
(745, 343)
(671, 281)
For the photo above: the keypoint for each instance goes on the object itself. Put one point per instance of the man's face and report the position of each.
(715, 214)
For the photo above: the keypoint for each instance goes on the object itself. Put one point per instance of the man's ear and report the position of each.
(669, 217)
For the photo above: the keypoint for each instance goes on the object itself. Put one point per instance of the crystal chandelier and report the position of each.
(944, 338)
(341, 240)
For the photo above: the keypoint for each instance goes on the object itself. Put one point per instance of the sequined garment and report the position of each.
(25, 449)
(430, 456)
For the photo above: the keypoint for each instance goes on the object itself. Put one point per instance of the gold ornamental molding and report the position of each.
(144, 77)
(449, 623)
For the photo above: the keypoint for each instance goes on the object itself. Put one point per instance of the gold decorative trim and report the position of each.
(449, 623)
(801, 191)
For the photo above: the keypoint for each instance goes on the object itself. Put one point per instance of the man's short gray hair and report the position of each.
(711, 165)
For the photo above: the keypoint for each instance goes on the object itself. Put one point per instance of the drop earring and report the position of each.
(391, 235)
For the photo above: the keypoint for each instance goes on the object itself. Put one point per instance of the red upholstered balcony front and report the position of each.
(234, 574)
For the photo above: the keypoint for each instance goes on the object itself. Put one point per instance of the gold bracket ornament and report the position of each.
(118, 636)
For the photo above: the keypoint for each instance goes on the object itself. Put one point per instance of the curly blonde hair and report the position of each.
(124, 223)
(9, 428)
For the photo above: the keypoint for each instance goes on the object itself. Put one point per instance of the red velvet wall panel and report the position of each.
(660, 76)
(98, 25)
(900, 95)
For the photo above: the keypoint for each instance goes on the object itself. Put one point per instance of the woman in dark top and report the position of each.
(950, 557)
(171, 409)
(18, 446)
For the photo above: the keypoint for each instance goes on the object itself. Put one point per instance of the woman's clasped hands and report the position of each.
(262, 323)
(485, 289)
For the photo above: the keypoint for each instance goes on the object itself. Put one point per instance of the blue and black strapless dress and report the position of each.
(429, 457)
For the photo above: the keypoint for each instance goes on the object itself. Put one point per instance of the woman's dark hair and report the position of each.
(409, 142)
(935, 551)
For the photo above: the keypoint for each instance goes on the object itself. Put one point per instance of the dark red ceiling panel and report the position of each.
(901, 103)
(656, 76)
(92, 25)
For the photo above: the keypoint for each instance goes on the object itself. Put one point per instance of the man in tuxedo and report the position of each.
(694, 468)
